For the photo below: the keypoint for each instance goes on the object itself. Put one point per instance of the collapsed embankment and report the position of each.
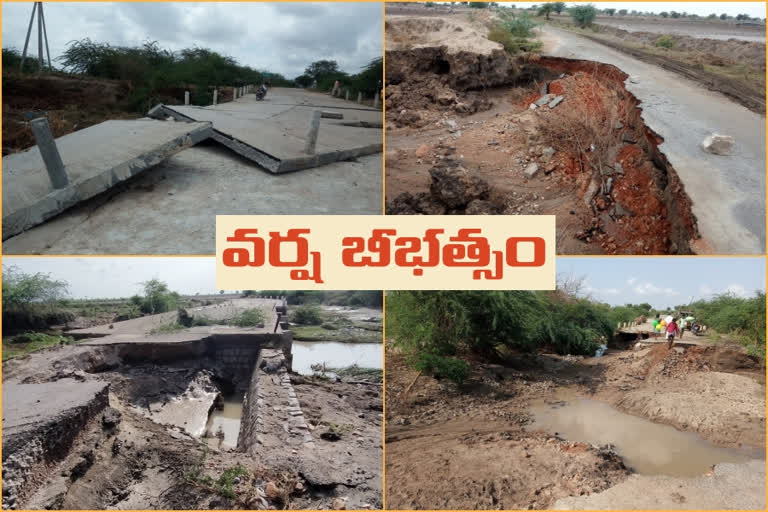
(539, 135)
(432, 423)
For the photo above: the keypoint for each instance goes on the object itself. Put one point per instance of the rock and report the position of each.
(339, 504)
(544, 89)
(555, 102)
(619, 125)
(455, 186)
(547, 153)
(422, 151)
(273, 491)
(543, 100)
(482, 207)
(493, 143)
(622, 211)
(531, 170)
(463, 108)
(532, 107)
(618, 168)
(718, 144)
(446, 97)
(627, 137)
(451, 124)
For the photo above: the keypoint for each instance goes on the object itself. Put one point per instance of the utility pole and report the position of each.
(42, 38)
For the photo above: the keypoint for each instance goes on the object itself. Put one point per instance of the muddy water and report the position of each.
(226, 419)
(647, 447)
(334, 354)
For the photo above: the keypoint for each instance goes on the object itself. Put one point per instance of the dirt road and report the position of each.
(728, 192)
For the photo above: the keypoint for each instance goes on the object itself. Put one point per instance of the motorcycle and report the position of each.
(261, 92)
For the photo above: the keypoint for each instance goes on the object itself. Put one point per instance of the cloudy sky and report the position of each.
(665, 281)
(282, 37)
(754, 9)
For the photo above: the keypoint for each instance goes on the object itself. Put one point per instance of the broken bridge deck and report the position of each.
(96, 159)
(273, 132)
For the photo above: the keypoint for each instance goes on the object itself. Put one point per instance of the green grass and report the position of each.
(340, 334)
(248, 318)
(168, 328)
(23, 344)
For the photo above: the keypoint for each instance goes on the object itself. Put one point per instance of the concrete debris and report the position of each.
(555, 102)
(532, 170)
(331, 115)
(544, 100)
(718, 144)
(532, 107)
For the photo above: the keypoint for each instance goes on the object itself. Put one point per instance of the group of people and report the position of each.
(670, 326)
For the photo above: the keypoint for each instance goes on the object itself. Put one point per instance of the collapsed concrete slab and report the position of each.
(96, 159)
(273, 132)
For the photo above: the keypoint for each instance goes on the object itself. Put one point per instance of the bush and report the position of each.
(583, 15)
(665, 41)
(307, 315)
(727, 313)
(437, 366)
(249, 318)
(512, 45)
(158, 298)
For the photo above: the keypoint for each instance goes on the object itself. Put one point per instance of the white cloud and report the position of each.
(738, 290)
(652, 289)
(631, 281)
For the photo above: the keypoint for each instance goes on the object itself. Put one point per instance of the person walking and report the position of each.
(672, 330)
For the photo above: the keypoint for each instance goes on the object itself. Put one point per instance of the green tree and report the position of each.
(622, 12)
(157, 297)
(674, 14)
(559, 7)
(22, 290)
(664, 14)
(724, 16)
(545, 10)
(610, 11)
(478, 5)
(583, 15)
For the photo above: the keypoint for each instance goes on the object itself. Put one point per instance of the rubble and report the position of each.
(718, 144)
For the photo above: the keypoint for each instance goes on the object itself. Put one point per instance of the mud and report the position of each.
(589, 159)
(460, 431)
(153, 443)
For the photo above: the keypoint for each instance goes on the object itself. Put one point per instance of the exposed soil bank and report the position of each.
(443, 442)
(543, 136)
(143, 447)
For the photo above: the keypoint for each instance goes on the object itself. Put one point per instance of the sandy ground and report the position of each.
(462, 431)
(727, 191)
(693, 28)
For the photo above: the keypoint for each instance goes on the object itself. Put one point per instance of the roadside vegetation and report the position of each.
(514, 33)
(350, 298)
(441, 332)
(312, 323)
(322, 74)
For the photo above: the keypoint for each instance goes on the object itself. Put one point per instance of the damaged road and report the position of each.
(121, 423)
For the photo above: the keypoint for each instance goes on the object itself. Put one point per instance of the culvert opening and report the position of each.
(545, 136)
(224, 420)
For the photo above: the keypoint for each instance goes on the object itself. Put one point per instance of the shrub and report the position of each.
(583, 15)
(307, 315)
(665, 41)
(249, 318)
(437, 366)
(512, 45)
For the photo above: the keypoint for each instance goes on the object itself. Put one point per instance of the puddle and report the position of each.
(334, 354)
(647, 447)
(228, 420)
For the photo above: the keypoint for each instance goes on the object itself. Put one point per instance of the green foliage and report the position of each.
(155, 72)
(558, 7)
(520, 27)
(546, 9)
(622, 12)
(23, 344)
(490, 323)
(307, 315)
(665, 41)
(610, 12)
(23, 291)
(627, 313)
(438, 366)
(249, 318)
(354, 298)
(168, 328)
(324, 73)
(728, 314)
(158, 298)
(226, 482)
(512, 45)
(583, 15)
(664, 14)
(478, 5)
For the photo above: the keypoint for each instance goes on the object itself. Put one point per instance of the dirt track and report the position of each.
(437, 429)
(727, 191)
